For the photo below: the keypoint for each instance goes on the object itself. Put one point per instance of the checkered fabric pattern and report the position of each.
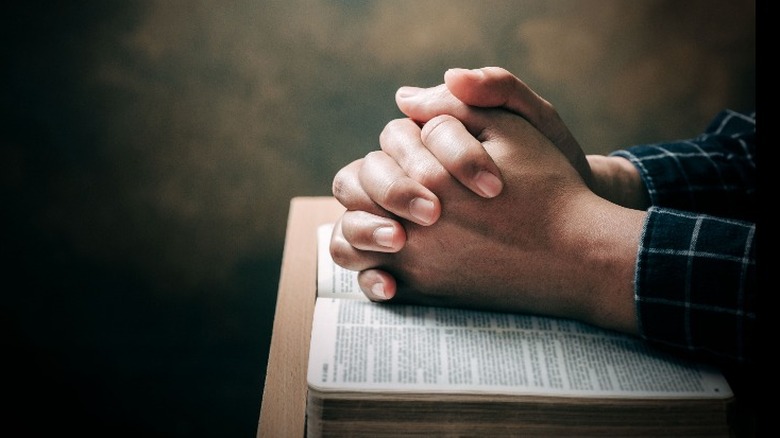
(696, 268)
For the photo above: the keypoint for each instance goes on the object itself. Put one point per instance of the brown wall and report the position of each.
(150, 149)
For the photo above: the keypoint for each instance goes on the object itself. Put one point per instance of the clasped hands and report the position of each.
(482, 198)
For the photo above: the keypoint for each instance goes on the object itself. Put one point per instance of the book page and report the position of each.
(365, 346)
(333, 280)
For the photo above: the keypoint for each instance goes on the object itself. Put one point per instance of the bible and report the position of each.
(380, 369)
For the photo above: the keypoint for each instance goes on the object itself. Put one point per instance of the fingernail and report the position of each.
(474, 74)
(407, 92)
(378, 290)
(384, 236)
(422, 209)
(488, 183)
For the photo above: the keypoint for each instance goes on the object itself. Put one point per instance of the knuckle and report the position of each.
(374, 168)
(393, 193)
(372, 157)
(338, 187)
(432, 176)
(434, 127)
(395, 125)
(392, 128)
(343, 184)
(341, 252)
(395, 136)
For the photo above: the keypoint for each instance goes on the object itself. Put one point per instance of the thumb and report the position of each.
(496, 87)
(492, 87)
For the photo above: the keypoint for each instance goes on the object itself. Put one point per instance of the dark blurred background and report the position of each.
(149, 150)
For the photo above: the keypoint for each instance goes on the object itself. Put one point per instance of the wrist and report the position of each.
(600, 249)
(617, 180)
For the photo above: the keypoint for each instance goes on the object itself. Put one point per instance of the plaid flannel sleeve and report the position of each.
(696, 267)
(695, 284)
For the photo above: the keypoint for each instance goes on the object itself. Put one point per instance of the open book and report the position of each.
(393, 370)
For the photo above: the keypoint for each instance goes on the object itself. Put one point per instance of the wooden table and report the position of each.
(283, 410)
